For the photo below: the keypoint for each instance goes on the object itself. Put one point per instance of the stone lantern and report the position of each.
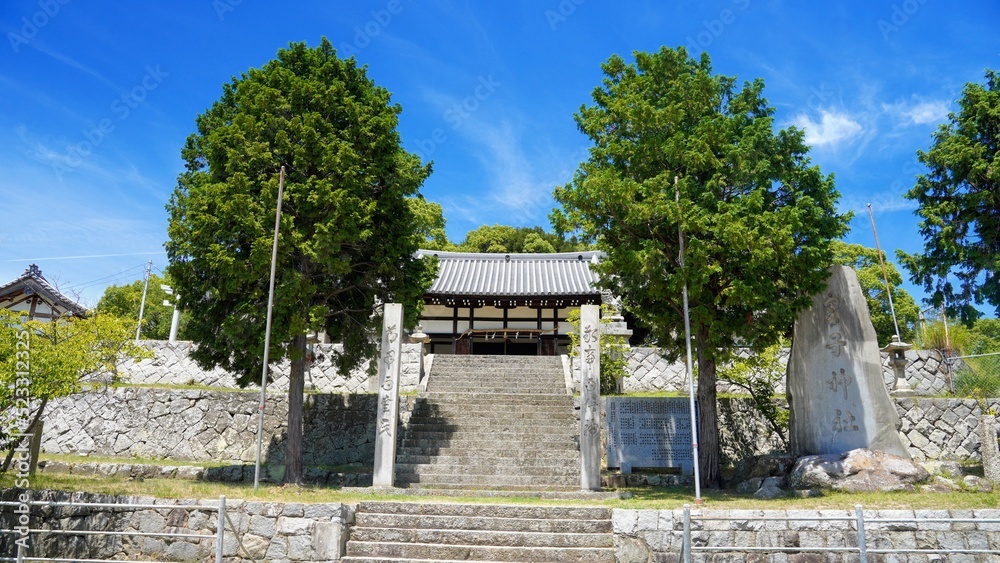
(897, 360)
(419, 337)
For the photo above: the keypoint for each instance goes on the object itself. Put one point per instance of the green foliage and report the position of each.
(959, 200)
(348, 227)
(865, 262)
(758, 374)
(614, 350)
(505, 239)
(124, 301)
(58, 356)
(430, 223)
(757, 217)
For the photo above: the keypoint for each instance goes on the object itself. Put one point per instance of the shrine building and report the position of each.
(506, 304)
(34, 295)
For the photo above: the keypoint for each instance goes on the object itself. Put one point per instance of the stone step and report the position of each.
(524, 511)
(438, 552)
(409, 470)
(500, 429)
(487, 482)
(499, 456)
(418, 453)
(474, 523)
(472, 397)
(516, 407)
(481, 537)
(485, 443)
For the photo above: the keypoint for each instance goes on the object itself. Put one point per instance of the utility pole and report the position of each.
(142, 305)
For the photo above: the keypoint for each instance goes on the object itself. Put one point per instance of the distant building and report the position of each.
(506, 304)
(33, 294)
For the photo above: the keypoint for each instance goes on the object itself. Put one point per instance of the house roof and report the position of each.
(514, 275)
(30, 283)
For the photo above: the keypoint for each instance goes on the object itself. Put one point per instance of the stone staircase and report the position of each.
(390, 531)
(502, 423)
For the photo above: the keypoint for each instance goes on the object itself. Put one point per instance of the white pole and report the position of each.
(142, 304)
(267, 331)
(690, 367)
(174, 321)
(885, 276)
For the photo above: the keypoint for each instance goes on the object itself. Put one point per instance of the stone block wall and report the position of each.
(944, 429)
(658, 534)
(171, 364)
(926, 373)
(216, 426)
(270, 531)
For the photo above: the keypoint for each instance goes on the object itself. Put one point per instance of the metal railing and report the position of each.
(857, 522)
(976, 376)
(218, 537)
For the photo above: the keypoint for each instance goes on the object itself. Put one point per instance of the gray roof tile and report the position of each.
(515, 275)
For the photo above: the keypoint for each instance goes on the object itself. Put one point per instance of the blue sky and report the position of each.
(98, 98)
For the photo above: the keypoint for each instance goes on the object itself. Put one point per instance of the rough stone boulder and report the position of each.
(857, 471)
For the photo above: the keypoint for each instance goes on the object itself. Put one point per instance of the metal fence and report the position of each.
(976, 376)
(865, 527)
(223, 522)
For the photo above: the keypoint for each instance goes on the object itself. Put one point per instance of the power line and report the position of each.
(129, 272)
(82, 256)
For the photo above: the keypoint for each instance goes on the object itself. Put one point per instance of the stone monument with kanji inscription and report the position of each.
(836, 393)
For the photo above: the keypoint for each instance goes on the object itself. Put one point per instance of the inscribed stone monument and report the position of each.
(836, 394)
(590, 392)
(388, 395)
(649, 433)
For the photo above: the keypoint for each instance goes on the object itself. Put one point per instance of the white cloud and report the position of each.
(918, 113)
(832, 128)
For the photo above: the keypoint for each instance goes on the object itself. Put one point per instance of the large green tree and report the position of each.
(757, 218)
(125, 301)
(959, 199)
(347, 234)
(865, 262)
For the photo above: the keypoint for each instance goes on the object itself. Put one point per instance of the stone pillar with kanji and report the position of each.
(388, 395)
(590, 396)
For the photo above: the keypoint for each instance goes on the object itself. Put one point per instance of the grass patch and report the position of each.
(662, 498)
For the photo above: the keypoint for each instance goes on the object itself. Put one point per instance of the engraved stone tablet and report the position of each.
(835, 390)
(650, 432)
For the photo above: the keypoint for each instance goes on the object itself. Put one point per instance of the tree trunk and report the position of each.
(709, 451)
(29, 430)
(296, 394)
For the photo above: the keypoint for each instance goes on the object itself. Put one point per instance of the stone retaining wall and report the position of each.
(220, 426)
(658, 534)
(317, 532)
(217, 426)
(926, 373)
(171, 364)
(271, 531)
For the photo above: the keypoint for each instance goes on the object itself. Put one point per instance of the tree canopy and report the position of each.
(757, 217)
(504, 239)
(959, 199)
(347, 232)
(865, 262)
(124, 301)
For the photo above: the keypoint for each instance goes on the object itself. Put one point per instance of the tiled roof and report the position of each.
(32, 281)
(514, 275)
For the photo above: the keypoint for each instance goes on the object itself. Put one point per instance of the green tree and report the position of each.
(347, 234)
(506, 239)
(959, 199)
(757, 218)
(57, 356)
(614, 350)
(430, 220)
(865, 262)
(125, 300)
